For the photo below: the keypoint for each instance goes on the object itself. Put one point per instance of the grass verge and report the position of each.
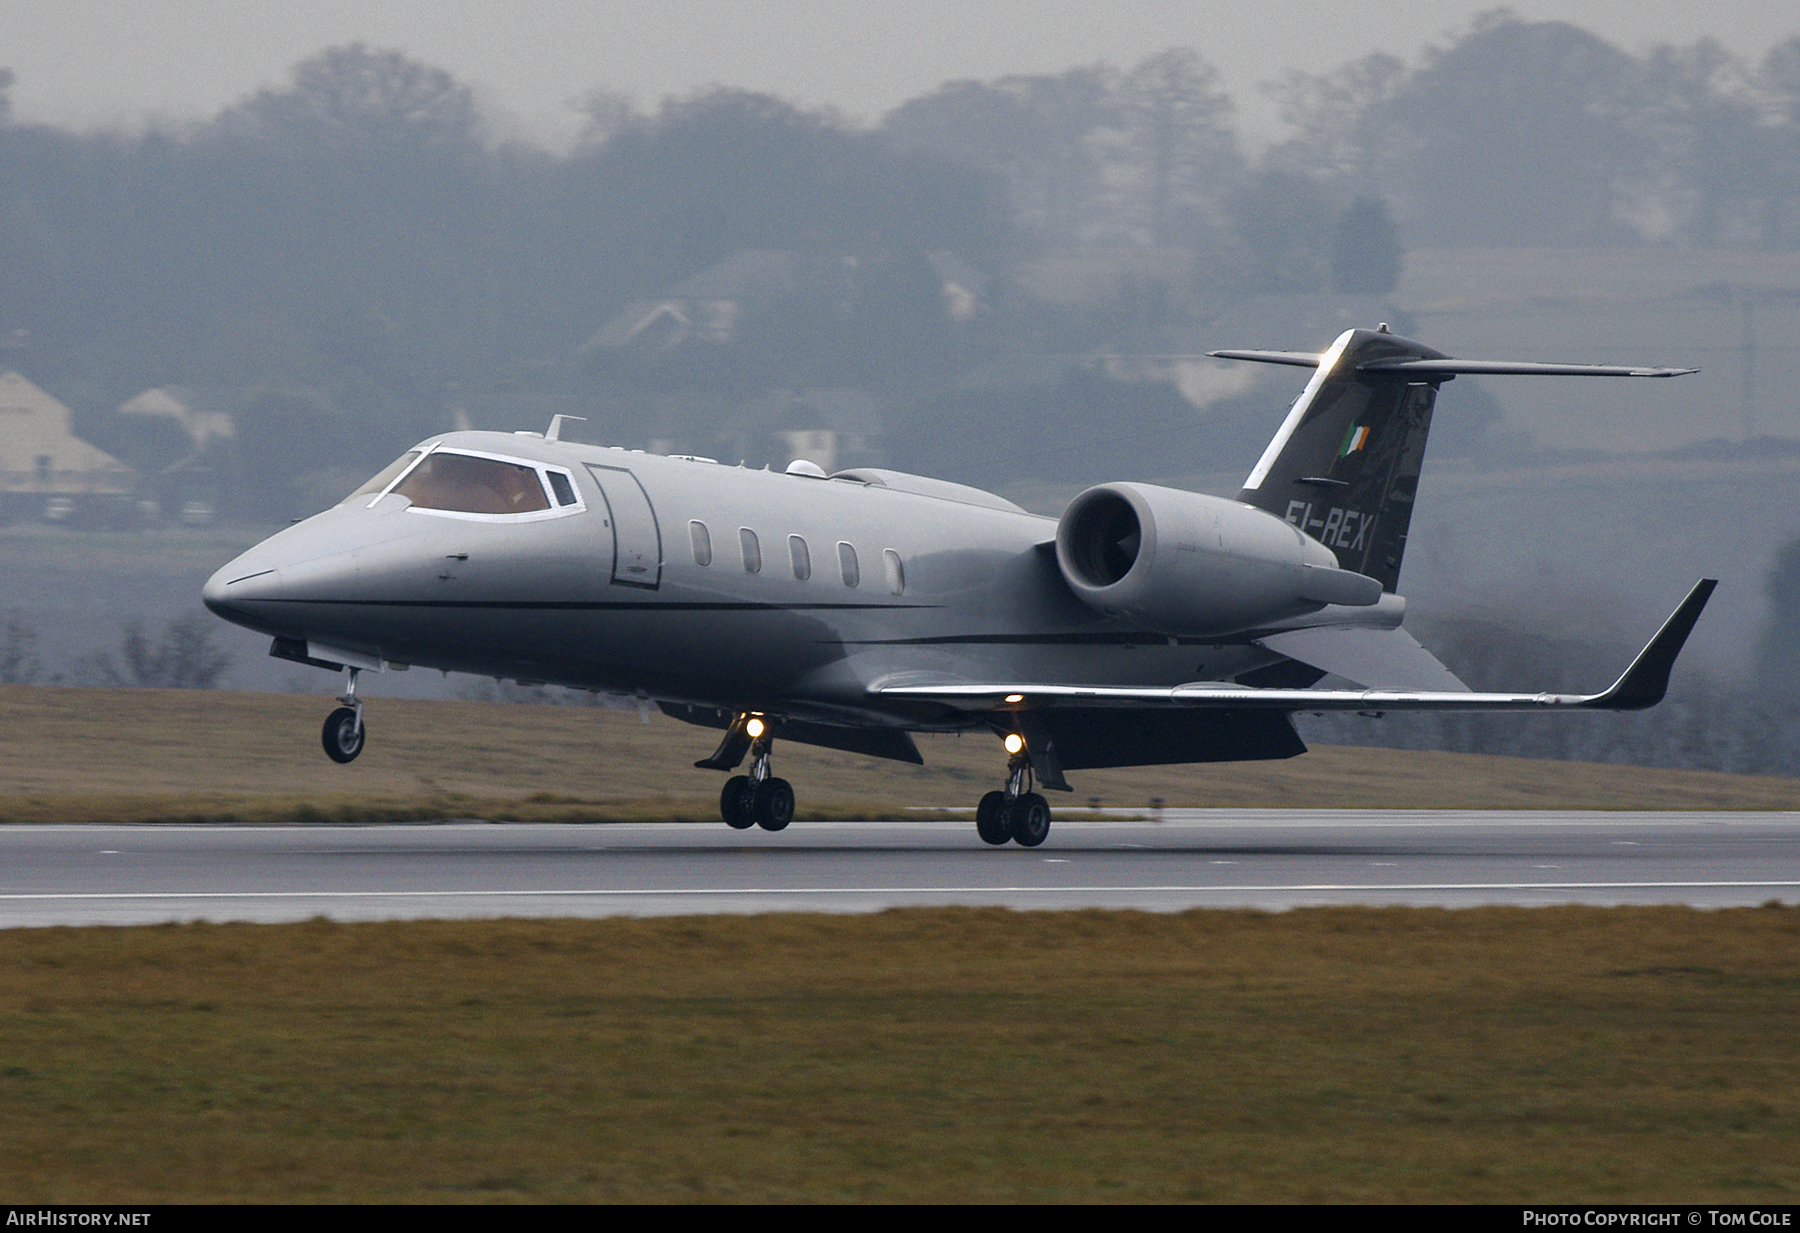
(1494, 1055)
(78, 755)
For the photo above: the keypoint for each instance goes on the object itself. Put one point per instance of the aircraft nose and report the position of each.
(241, 581)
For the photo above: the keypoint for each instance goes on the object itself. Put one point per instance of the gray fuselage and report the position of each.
(609, 592)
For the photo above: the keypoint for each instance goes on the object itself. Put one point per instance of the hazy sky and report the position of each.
(96, 62)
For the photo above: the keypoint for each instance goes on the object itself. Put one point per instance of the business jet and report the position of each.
(1146, 626)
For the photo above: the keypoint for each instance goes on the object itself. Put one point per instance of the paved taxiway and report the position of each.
(1192, 858)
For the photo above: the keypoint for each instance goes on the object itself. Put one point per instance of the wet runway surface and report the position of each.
(1192, 858)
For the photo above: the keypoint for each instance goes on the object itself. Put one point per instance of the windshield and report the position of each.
(470, 485)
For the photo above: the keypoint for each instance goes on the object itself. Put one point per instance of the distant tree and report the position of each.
(1701, 119)
(1047, 135)
(1286, 223)
(1780, 82)
(973, 122)
(6, 80)
(1518, 134)
(356, 98)
(666, 197)
(607, 113)
(18, 651)
(1365, 249)
(1342, 120)
(1179, 123)
(1778, 651)
(182, 656)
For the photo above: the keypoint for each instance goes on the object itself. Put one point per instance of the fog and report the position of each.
(1006, 278)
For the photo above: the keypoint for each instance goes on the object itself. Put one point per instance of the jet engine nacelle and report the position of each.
(1188, 564)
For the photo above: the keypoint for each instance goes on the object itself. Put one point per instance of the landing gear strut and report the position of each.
(759, 798)
(1018, 813)
(344, 733)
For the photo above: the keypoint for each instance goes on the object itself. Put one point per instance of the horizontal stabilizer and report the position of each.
(1297, 359)
(1516, 368)
(1378, 658)
(1447, 367)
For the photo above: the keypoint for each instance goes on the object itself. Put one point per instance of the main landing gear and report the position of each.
(759, 798)
(344, 732)
(1017, 814)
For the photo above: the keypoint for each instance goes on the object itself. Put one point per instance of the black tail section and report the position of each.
(1345, 466)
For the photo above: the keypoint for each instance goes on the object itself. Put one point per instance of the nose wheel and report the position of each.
(344, 733)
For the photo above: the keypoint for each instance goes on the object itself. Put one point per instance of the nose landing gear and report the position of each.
(344, 733)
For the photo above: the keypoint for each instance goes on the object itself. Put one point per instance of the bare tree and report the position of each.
(1342, 119)
(1519, 133)
(18, 651)
(1701, 119)
(1179, 124)
(182, 656)
(360, 99)
(1046, 135)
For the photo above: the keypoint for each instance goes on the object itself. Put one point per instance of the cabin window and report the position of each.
(752, 550)
(802, 558)
(563, 487)
(847, 564)
(896, 573)
(702, 542)
(387, 476)
(463, 483)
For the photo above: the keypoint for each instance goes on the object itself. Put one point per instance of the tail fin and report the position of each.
(1344, 466)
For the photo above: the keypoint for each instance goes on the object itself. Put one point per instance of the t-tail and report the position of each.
(1344, 466)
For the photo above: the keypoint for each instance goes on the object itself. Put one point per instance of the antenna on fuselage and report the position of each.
(554, 432)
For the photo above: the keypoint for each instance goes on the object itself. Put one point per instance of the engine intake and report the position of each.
(1188, 564)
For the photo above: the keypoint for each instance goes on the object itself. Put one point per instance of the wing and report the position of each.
(1641, 685)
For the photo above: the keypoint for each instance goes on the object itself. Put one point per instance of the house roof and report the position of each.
(39, 451)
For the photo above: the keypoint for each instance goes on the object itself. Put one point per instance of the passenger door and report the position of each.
(637, 540)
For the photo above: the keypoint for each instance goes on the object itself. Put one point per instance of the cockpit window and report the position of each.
(465, 484)
(386, 476)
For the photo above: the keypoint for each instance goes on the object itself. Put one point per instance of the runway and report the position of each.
(1191, 858)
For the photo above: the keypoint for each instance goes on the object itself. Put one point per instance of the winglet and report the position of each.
(1647, 679)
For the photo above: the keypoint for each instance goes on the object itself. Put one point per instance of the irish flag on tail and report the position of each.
(1354, 440)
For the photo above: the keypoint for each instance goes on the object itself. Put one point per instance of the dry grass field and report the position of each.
(72, 755)
(1342, 1055)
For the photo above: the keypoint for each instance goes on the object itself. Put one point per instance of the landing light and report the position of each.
(1015, 697)
(754, 727)
(1014, 743)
